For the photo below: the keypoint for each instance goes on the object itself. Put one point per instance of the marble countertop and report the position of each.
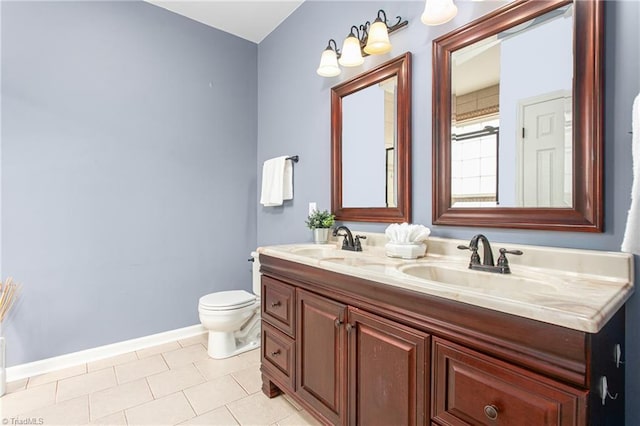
(577, 289)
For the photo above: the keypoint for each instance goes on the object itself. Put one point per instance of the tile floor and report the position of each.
(171, 384)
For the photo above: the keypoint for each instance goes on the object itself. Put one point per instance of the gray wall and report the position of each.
(128, 170)
(294, 117)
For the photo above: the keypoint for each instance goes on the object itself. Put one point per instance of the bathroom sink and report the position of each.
(321, 252)
(359, 262)
(466, 278)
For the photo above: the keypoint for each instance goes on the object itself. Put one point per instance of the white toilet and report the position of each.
(232, 318)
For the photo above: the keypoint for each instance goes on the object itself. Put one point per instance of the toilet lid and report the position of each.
(227, 299)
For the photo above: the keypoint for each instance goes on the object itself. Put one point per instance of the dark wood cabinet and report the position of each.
(278, 304)
(278, 354)
(470, 388)
(358, 352)
(321, 345)
(388, 370)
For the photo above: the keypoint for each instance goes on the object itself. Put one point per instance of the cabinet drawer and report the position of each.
(471, 388)
(278, 354)
(278, 305)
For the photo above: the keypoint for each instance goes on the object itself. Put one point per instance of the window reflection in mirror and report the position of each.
(368, 146)
(511, 111)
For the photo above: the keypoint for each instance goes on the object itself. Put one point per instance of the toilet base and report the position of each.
(224, 345)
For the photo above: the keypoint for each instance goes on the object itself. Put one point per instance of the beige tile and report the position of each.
(250, 379)
(28, 400)
(54, 376)
(184, 356)
(251, 357)
(17, 385)
(141, 368)
(117, 419)
(169, 410)
(292, 402)
(301, 418)
(154, 350)
(218, 417)
(214, 394)
(212, 368)
(172, 381)
(119, 398)
(85, 384)
(258, 409)
(194, 340)
(72, 412)
(110, 362)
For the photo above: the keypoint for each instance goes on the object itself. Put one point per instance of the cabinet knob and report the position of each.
(338, 322)
(276, 304)
(491, 411)
(275, 353)
(349, 327)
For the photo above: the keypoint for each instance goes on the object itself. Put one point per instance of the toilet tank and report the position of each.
(256, 273)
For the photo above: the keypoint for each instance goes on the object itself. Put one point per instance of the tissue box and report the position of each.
(405, 251)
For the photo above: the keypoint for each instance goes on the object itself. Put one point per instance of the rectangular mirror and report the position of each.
(518, 118)
(370, 125)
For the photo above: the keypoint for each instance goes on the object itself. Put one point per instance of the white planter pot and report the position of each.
(321, 235)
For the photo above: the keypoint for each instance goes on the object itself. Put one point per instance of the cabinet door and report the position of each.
(472, 388)
(388, 371)
(321, 365)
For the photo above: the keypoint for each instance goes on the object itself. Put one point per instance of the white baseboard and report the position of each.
(47, 365)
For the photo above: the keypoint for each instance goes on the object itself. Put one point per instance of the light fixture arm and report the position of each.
(333, 47)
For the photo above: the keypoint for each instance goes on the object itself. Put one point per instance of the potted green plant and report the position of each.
(320, 222)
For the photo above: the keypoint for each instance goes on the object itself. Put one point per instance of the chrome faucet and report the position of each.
(502, 267)
(348, 242)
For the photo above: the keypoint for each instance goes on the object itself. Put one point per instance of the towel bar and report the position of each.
(293, 158)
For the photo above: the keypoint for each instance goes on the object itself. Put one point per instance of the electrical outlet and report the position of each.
(312, 207)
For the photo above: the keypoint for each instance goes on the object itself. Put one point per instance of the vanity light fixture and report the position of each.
(367, 39)
(437, 12)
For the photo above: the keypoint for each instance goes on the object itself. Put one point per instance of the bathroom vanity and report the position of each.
(359, 338)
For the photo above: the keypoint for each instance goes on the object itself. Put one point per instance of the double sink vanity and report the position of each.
(361, 338)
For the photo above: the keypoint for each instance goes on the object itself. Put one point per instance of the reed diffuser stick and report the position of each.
(8, 295)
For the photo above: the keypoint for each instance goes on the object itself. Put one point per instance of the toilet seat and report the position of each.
(227, 300)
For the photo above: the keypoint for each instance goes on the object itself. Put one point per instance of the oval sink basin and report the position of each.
(318, 252)
(476, 279)
(359, 262)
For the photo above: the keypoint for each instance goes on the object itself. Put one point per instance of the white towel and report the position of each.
(277, 181)
(631, 242)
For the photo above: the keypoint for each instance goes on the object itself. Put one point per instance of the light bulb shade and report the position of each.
(378, 40)
(328, 64)
(351, 53)
(438, 12)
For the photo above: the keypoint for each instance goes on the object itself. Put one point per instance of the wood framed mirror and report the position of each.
(485, 90)
(371, 145)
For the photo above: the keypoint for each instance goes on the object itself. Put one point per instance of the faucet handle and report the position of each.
(475, 257)
(356, 242)
(503, 263)
(505, 251)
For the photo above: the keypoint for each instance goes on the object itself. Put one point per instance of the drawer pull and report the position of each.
(491, 411)
(275, 353)
(276, 304)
